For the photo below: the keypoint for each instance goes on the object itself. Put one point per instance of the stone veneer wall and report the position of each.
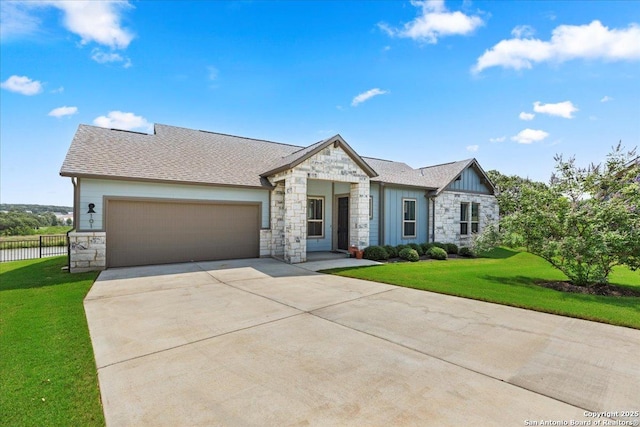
(265, 243)
(447, 217)
(359, 215)
(277, 220)
(330, 164)
(88, 251)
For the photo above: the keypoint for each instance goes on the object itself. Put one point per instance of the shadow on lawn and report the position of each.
(39, 274)
(499, 253)
(627, 302)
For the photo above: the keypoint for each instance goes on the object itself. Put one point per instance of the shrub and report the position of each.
(375, 253)
(466, 252)
(416, 247)
(440, 245)
(400, 247)
(451, 248)
(426, 246)
(391, 250)
(409, 254)
(437, 253)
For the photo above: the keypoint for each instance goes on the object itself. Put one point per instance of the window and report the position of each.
(469, 221)
(409, 218)
(315, 217)
(464, 218)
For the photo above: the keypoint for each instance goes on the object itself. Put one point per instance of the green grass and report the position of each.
(509, 277)
(46, 359)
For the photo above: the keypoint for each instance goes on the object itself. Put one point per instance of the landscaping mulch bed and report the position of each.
(604, 290)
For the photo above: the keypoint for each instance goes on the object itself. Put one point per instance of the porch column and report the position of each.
(295, 217)
(359, 214)
(277, 220)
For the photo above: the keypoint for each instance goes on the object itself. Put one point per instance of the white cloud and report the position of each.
(122, 120)
(365, 96)
(499, 139)
(527, 136)
(592, 41)
(435, 21)
(15, 19)
(59, 90)
(526, 116)
(23, 85)
(212, 72)
(523, 31)
(96, 21)
(606, 99)
(473, 148)
(106, 57)
(561, 109)
(63, 111)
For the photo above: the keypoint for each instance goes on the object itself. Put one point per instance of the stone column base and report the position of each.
(88, 251)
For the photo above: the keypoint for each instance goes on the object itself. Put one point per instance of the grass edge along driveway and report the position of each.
(48, 370)
(508, 277)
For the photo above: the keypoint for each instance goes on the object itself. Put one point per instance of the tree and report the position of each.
(509, 189)
(585, 222)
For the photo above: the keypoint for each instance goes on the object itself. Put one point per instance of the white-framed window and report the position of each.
(408, 218)
(469, 221)
(370, 207)
(315, 217)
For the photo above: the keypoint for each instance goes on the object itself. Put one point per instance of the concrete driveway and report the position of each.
(262, 343)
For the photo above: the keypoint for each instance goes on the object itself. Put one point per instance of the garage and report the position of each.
(143, 232)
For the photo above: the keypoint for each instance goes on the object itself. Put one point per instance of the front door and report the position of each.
(343, 223)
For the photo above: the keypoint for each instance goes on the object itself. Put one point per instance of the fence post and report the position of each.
(40, 246)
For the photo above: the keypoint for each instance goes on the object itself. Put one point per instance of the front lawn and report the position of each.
(508, 277)
(46, 359)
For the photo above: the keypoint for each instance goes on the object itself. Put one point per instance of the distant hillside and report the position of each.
(36, 209)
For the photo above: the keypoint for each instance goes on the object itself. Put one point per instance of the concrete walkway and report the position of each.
(262, 343)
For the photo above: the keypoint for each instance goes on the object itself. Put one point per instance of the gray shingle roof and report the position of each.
(175, 154)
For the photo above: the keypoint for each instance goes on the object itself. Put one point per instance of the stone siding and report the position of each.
(265, 243)
(359, 215)
(289, 209)
(88, 251)
(447, 215)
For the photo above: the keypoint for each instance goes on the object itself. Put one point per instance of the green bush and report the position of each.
(440, 245)
(375, 253)
(400, 247)
(391, 250)
(466, 252)
(437, 253)
(409, 254)
(451, 248)
(416, 247)
(426, 246)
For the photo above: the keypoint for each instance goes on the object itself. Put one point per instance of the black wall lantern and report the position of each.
(91, 212)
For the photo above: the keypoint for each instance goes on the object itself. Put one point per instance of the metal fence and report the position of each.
(31, 248)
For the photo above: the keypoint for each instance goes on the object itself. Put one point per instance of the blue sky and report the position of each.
(509, 83)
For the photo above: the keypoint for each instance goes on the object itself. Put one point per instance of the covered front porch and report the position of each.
(320, 202)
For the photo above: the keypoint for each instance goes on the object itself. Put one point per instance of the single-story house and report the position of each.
(181, 195)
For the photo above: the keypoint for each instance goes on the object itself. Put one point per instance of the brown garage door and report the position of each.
(158, 232)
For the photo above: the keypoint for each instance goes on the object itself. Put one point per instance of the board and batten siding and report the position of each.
(470, 181)
(393, 213)
(374, 222)
(95, 190)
